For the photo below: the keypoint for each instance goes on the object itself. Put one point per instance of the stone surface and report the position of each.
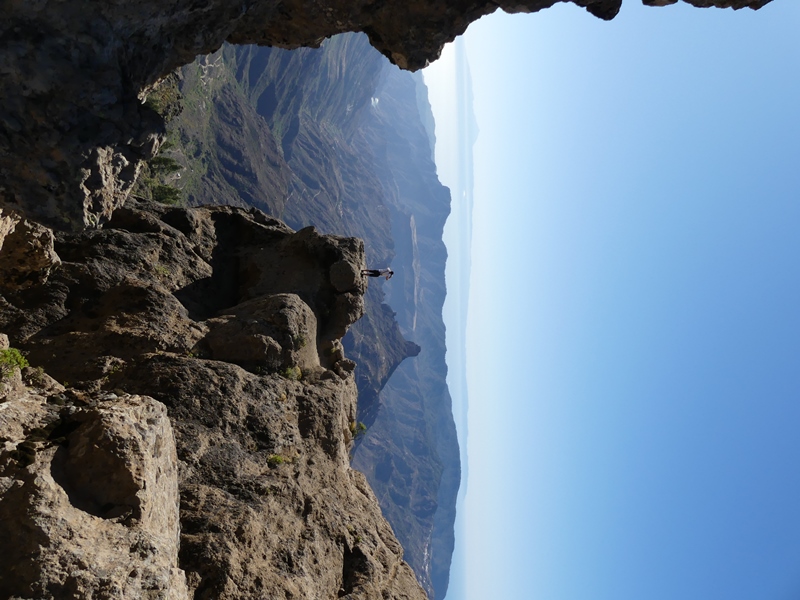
(270, 333)
(8, 221)
(89, 496)
(349, 167)
(27, 254)
(259, 475)
(73, 128)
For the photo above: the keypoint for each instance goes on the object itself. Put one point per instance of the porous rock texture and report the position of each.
(88, 494)
(198, 443)
(73, 75)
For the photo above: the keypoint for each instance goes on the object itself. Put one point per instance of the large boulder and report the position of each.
(89, 494)
(267, 334)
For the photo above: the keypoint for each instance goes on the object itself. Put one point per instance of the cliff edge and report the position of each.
(200, 446)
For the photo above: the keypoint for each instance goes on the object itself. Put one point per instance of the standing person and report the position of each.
(387, 273)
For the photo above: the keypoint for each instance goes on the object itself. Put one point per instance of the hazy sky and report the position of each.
(633, 340)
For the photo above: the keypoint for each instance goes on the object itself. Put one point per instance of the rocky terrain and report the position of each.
(197, 443)
(335, 137)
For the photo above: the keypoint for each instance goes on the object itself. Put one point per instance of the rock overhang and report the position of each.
(74, 129)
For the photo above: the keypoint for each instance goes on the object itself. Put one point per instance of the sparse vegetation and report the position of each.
(293, 373)
(11, 359)
(166, 194)
(164, 165)
(158, 173)
(273, 460)
(165, 98)
(35, 376)
(357, 429)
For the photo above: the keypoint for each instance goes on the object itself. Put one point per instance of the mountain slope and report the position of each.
(338, 137)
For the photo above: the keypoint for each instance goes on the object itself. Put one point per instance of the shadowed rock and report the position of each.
(73, 126)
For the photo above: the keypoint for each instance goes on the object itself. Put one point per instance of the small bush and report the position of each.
(293, 373)
(35, 376)
(357, 429)
(166, 98)
(10, 360)
(164, 165)
(273, 460)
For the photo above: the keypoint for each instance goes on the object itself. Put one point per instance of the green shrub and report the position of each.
(293, 373)
(164, 165)
(167, 194)
(273, 460)
(166, 98)
(10, 360)
(357, 429)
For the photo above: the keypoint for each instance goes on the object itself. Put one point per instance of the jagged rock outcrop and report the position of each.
(73, 129)
(88, 494)
(28, 251)
(131, 323)
(351, 156)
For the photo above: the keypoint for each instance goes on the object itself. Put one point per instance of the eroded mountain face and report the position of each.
(73, 129)
(202, 383)
(334, 137)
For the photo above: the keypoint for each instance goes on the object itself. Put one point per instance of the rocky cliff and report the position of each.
(334, 136)
(73, 128)
(198, 442)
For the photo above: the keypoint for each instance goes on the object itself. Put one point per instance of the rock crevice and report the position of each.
(198, 443)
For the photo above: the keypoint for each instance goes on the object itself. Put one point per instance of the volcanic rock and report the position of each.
(154, 423)
(89, 494)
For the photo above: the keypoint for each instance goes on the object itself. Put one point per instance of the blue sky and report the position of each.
(633, 338)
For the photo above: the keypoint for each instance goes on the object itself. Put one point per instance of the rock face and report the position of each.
(90, 484)
(334, 136)
(73, 129)
(207, 386)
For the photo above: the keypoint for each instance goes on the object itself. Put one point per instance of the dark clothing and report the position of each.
(378, 273)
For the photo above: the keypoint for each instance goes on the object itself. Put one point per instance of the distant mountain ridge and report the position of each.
(339, 138)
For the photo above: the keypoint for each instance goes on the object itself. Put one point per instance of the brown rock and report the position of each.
(93, 498)
(268, 333)
(269, 506)
(27, 253)
(344, 276)
(8, 221)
